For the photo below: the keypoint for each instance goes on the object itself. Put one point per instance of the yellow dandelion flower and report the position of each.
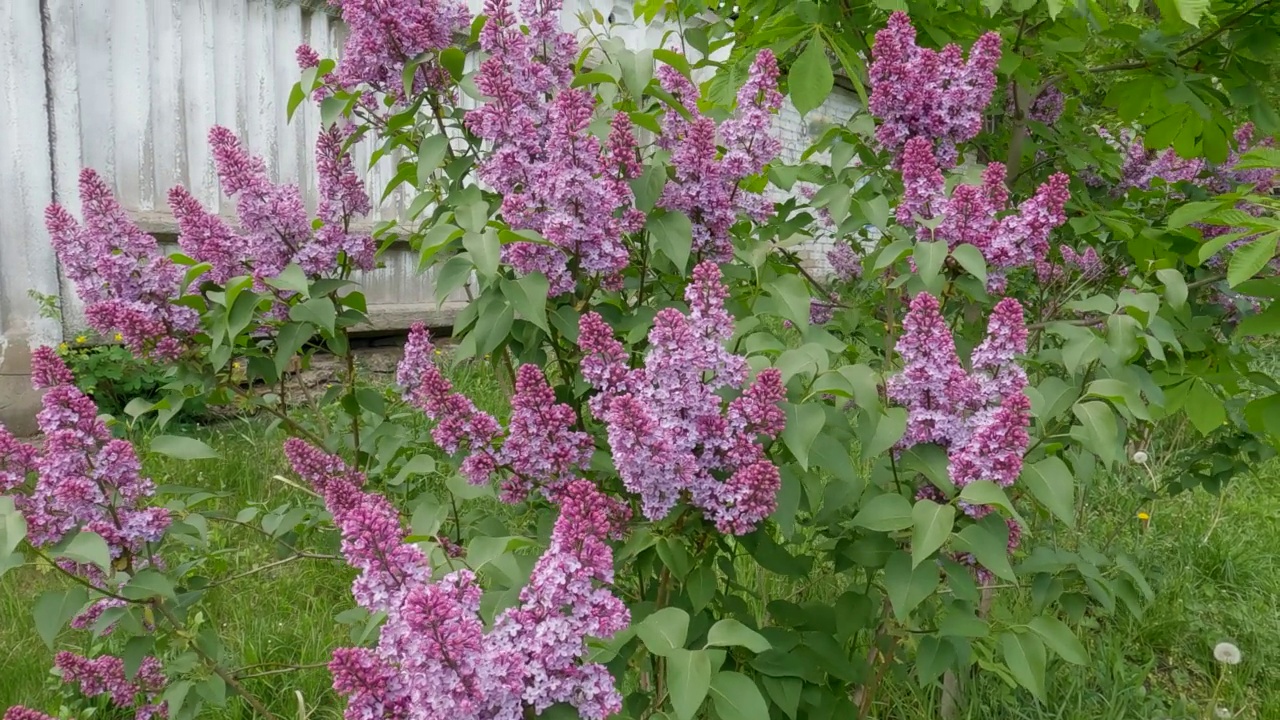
(119, 337)
(81, 339)
(235, 365)
(62, 347)
(1144, 516)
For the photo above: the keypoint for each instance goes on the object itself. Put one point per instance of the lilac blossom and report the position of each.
(21, 713)
(105, 675)
(706, 183)
(434, 659)
(81, 479)
(845, 262)
(981, 416)
(385, 35)
(1047, 107)
(936, 95)
(275, 230)
(540, 449)
(555, 177)
(668, 430)
(459, 424)
(120, 272)
(977, 214)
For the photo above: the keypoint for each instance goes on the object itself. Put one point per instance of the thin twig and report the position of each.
(217, 669)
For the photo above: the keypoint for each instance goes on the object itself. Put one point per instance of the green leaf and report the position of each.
(1175, 287)
(1188, 213)
(637, 71)
(785, 693)
(149, 584)
(1025, 658)
(989, 543)
(1060, 639)
(929, 257)
(1204, 408)
(331, 109)
(664, 631)
(88, 548)
(889, 430)
(933, 523)
(55, 608)
(421, 464)
(804, 422)
(485, 250)
(292, 279)
(701, 587)
(985, 492)
(317, 311)
(182, 448)
(673, 236)
(891, 254)
(13, 527)
(1055, 7)
(1247, 261)
(1098, 430)
(289, 341)
(1051, 483)
(1192, 10)
(530, 299)
(1266, 322)
(431, 154)
(906, 586)
(811, 78)
(473, 216)
(971, 259)
(454, 60)
(793, 299)
(688, 680)
(737, 698)
(731, 632)
(884, 513)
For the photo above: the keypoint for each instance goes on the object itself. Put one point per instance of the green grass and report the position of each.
(1214, 567)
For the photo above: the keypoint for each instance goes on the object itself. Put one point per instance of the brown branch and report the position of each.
(217, 669)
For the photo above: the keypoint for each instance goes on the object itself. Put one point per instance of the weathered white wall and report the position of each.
(25, 262)
(131, 88)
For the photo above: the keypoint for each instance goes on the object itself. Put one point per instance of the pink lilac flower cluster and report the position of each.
(555, 177)
(385, 35)
(434, 660)
(1088, 263)
(275, 229)
(668, 428)
(706, 183)
(23, 713)
(979, 416)
(105, 675)
(974, 214)
(539, 448)
(460, 425)
(84, 480)
(121, 274)
(937, 95)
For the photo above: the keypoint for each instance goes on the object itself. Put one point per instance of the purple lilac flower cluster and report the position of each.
(918, 92)
(1046, 106)
(460, 425)
(275, 229)
(540, 450)
(668, 429)
(973, 213)
(105, 675)
(385, 35)
(706, 183)
(121, 273)
(84, 480)
(979, 416)
(555, 177)
(845, 262)
(434, 660)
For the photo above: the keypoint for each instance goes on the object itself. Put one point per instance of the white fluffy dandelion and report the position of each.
(1226, 653)
(1222, 713)
(1140, 457)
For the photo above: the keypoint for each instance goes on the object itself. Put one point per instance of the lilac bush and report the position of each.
(691, 417)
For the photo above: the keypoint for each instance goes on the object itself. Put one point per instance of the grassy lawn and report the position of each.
(1213, 564)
